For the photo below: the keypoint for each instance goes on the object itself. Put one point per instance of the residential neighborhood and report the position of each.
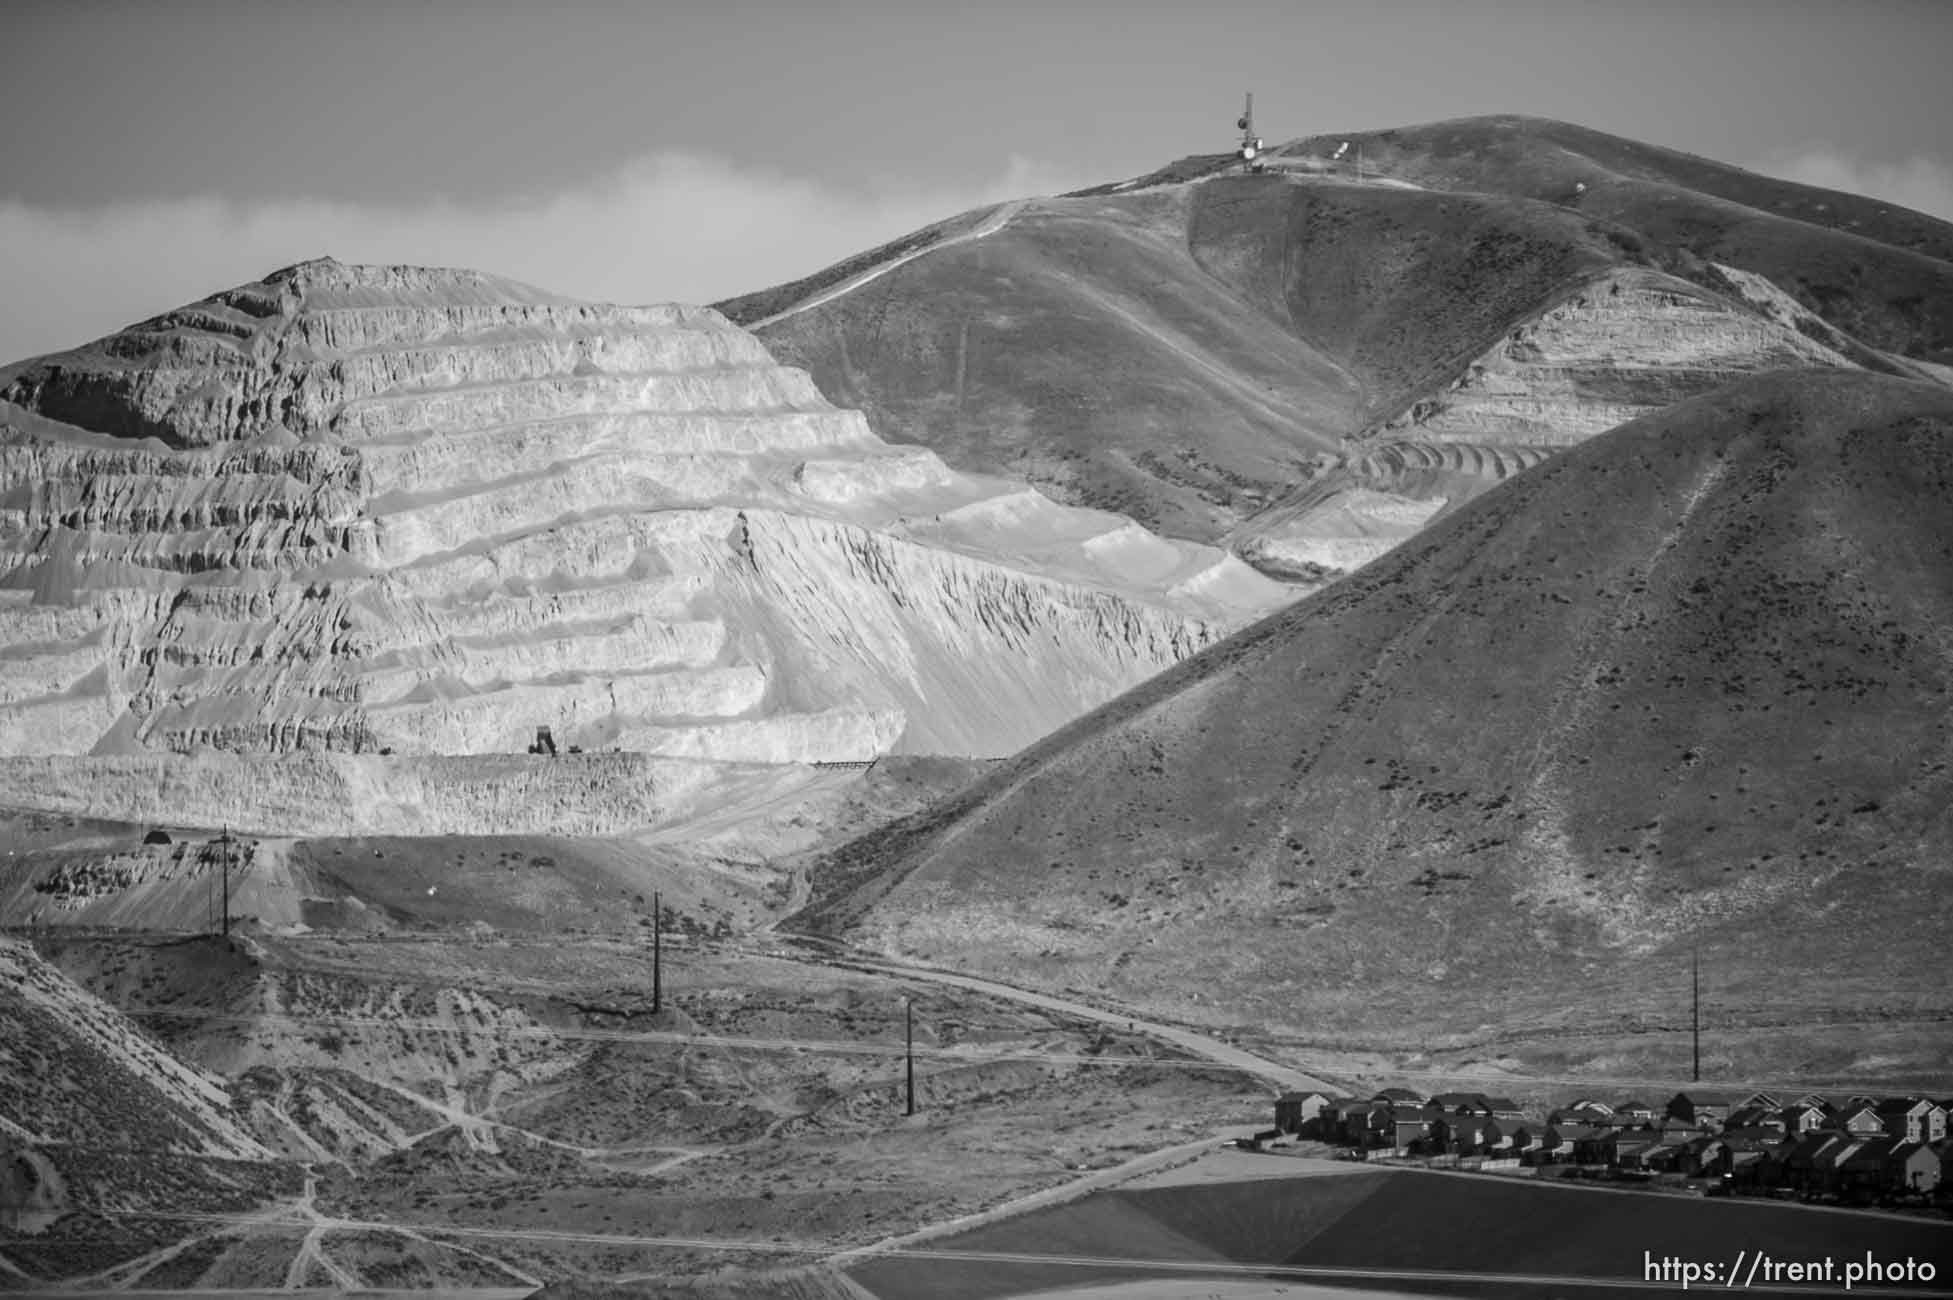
(1853, 1149)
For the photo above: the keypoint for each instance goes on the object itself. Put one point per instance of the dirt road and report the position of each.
(990, 225)
(1276, 1075)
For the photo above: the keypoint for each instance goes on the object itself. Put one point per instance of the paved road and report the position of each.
(990, 225)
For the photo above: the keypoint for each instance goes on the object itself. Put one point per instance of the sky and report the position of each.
(155, 151)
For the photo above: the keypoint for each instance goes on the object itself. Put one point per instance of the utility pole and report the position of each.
(908, 1008)
(657, 952)
(1695, 1014)
(224, 864)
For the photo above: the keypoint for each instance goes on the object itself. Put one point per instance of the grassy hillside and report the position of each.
(1872, 268)
(1686, 684)
(1184, 354)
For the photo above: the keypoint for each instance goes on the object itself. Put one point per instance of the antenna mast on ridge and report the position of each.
(1250, 142)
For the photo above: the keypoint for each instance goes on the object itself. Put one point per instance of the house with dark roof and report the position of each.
(1702, 1107)
(1296, 1111)
(1914, 1167)
(1859, 1121)
(1589, 1146)
(1766, 1100)
(1399, 1097)
(1504, 1108)
(1635, 1153)
(1367, 1124)
(1804, 1117)
(1409, 1131)
(1579, 1113)
(1756, 1116)
(1462, 1103)
(1801, 1167)
(1633, 1109)
(1471, 1135)
(1861, 1171)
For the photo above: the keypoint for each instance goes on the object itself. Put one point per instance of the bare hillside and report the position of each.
(1685, 684)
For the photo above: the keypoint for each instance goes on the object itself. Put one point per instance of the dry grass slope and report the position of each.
(1685, 684)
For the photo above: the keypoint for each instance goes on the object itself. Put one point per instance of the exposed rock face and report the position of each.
(356, 509)
(1611, 349)
(1621, 346)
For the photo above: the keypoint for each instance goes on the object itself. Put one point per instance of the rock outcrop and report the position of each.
(365, 510)
(1609, 349)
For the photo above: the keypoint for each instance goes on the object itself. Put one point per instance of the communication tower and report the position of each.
(1250, 149)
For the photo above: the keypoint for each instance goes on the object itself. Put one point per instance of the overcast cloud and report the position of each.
(673, 227)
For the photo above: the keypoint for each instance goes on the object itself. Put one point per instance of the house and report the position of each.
(1665, 1156)
(1470, 1135)
(1912, 1119)
(1632, 1109)
(1761, 1167)
(1707, 1156)
(1800, 1162)
(1626, 1123)
(1859, 1121)
(1804, 1117)
(1913, 1167)
(1861, 1171)
(1591, 1104)
(1763, 1100)
(1495, 1136)
(1520, 1136)
(1816, 1099)
(1399, 1097)
(1597, 1146)
(1580, 1113)
(1408, 1132)
(1366, 1124)
(1297, 1111)
(1706, 1108)
(1633, 1153)
(1756, 1116)
(1557, 1139)
(1504, 1108)
(1463, 1103)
